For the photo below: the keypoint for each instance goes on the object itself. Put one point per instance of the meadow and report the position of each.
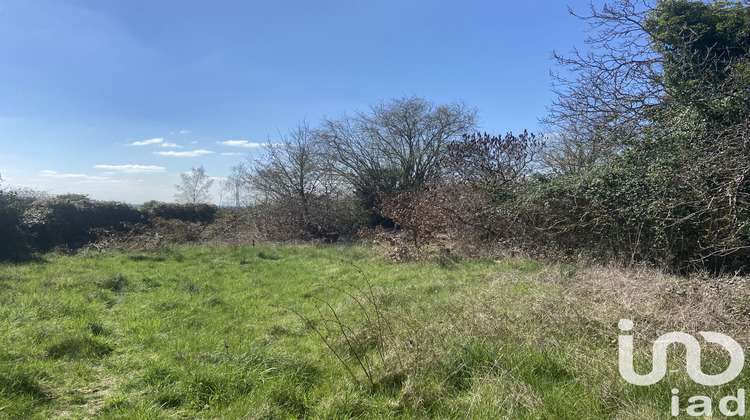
(301, 331)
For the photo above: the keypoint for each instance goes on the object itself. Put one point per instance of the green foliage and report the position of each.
(201, 213)
(703, 47)
(70, 220)
(674, 191)
(644, 206)
(13, 237)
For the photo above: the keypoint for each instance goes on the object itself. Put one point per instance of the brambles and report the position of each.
(653, 127)
(417, 214)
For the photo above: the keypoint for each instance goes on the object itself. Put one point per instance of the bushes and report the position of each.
(684, 210)
(282, 220)
(677, 198)
(13, 238)
(69, 220)
(664, 96)
(660, 210)
(200, 213)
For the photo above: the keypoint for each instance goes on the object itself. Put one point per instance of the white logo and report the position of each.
(693, 350)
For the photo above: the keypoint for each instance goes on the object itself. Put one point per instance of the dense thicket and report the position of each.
(69, 220)
(665, 94)
(648, 161)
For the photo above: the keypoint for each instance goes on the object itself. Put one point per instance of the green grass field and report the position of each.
(330, 332)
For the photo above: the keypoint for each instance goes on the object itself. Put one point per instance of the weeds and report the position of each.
(199, 334)
(369, 348)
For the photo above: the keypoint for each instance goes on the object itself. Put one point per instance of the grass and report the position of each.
(336, 332)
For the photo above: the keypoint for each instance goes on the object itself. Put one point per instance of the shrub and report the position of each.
(200, 213)
(328, 216)
(13, 237)
(418, 213)
(70, 220)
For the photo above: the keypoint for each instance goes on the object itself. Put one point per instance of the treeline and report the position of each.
(647, 160)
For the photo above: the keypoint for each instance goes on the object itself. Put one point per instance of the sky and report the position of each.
(115, 98)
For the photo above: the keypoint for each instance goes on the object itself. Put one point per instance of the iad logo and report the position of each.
(702, 405)
(693, 348)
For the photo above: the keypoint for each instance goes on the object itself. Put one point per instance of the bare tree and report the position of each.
(291, 185)
(491, 161)
(236, 187)
(395, 146)
(614, 86)
(194, 187)
(291, 166)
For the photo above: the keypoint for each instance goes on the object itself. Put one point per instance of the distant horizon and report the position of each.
(115, 100)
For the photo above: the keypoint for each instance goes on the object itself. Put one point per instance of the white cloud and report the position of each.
(242, 143)
(174, 145)
(231, 154)
(156, 140)
(133, 169)
(185, 131)
(77, 177)
(191, 153)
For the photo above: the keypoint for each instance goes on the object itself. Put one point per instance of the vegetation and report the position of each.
(653, 153)
(648, 162)
(13, 245)
(72, 221)
(194, 187)
(648, 167)
(203, 213)
(394, 148)
(334, 332)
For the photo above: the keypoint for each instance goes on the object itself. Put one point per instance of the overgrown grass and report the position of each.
(335, 332)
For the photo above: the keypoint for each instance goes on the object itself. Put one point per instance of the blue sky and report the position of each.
(116, 98)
